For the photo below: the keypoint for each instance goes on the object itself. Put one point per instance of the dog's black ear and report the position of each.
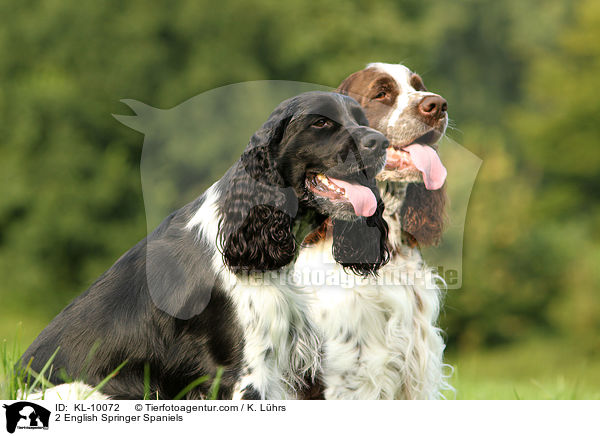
(361, 246)
(257, 207)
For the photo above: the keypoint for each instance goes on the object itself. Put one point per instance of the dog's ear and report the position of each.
(358, 84)
(361, 245)
(423, 214)
(257, 208)
(351, 84)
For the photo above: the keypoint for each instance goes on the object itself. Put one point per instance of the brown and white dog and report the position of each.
(397, 104)
(380, 335)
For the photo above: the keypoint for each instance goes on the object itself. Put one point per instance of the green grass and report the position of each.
(539, 369)
(535, 370)
(16, 381)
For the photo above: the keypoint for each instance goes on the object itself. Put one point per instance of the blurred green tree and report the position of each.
(519, 76)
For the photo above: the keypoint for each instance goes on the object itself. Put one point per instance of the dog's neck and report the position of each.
(392, 194)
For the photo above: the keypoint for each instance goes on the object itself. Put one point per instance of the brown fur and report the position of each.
(318, 234)
(423, 213)
(363, 86)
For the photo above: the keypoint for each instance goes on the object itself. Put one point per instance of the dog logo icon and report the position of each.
(26, 415)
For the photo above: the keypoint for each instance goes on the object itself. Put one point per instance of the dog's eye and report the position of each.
(322, 122)
(380, 95)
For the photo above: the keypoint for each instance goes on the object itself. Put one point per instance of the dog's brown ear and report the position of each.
(346, 86)
(423, 213)
(357, 84)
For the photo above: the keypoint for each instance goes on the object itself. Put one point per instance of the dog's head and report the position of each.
(397, 104)
(329, 155)
(314, 157)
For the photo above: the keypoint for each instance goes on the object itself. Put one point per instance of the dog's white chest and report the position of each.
(281, 344)
(379, 335)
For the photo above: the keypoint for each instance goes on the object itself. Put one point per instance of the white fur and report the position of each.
(281, 346)
(401, 75)
(407, 97)
(205, 222)
(407, 94)
(380, 337)
(64, 392)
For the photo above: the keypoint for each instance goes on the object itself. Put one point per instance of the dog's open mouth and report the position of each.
(359, 196)
(420, 156)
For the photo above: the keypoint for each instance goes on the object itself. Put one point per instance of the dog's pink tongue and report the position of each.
(428, 162)
(362, 198)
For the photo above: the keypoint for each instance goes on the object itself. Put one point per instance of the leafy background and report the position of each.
(522, 81)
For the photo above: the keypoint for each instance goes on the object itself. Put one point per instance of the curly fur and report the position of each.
(264, 241)
(257, 211)
(259, 208)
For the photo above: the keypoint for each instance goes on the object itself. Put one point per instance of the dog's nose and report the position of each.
(374, 141)
(433, 106)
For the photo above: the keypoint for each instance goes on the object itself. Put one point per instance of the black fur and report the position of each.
(361, 246)
(266, 190)
(250, 394)
(162, 306)
(120, 318)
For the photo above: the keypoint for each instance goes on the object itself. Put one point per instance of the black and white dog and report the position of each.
(210, 287)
